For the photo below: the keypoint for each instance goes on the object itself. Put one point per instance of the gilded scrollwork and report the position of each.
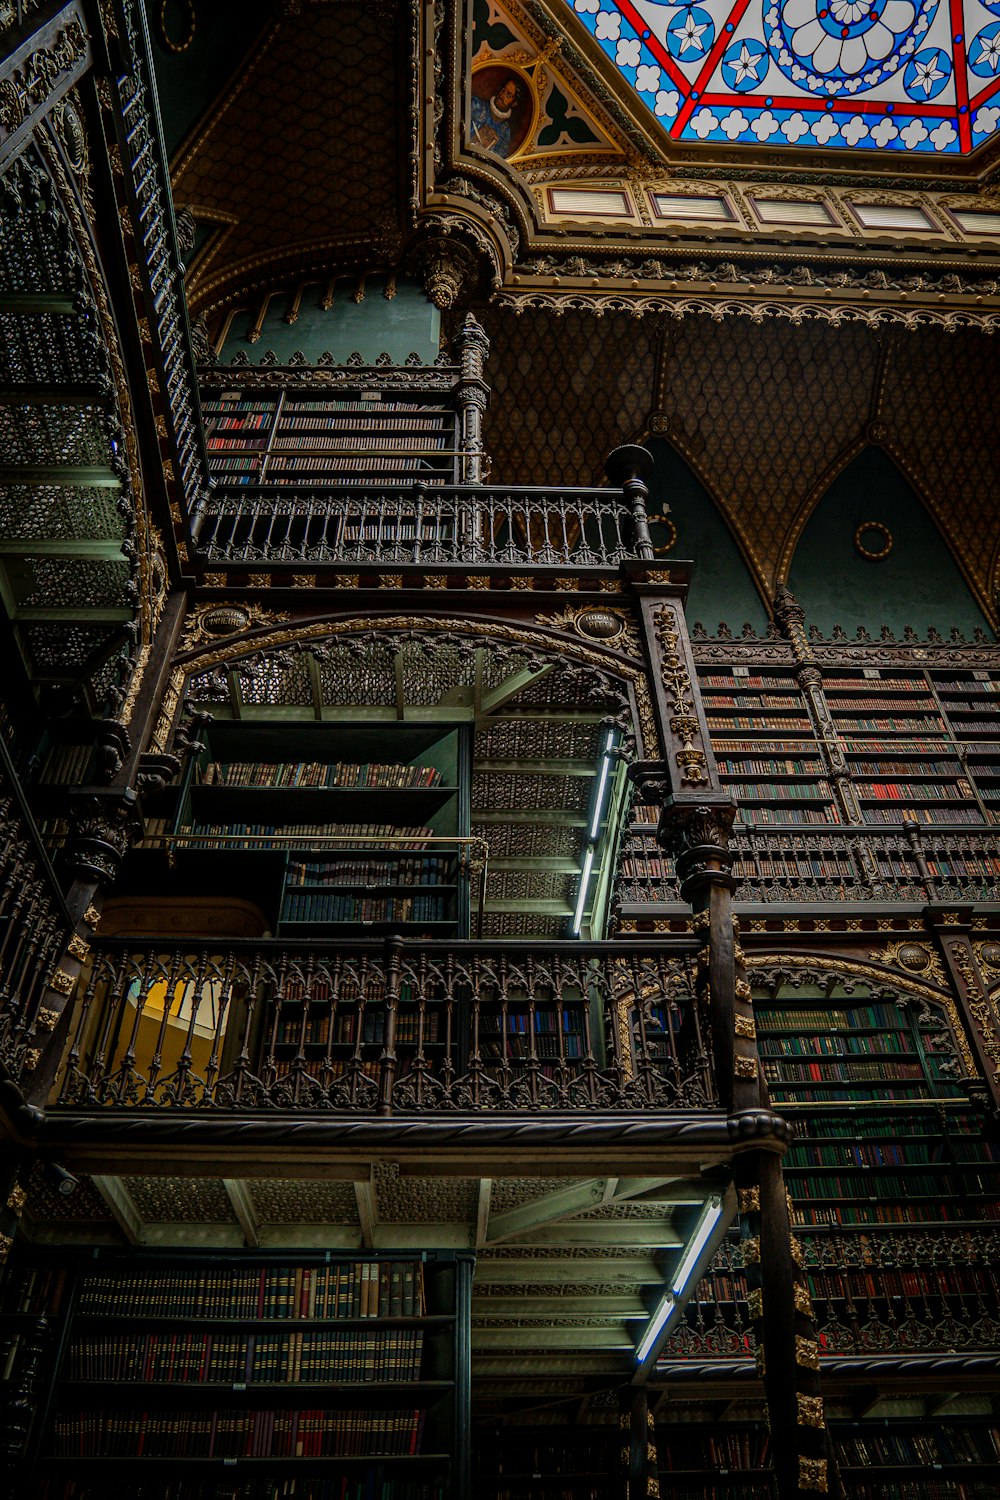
(675, 679)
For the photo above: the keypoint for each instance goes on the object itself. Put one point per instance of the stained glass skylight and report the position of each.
(916, 77)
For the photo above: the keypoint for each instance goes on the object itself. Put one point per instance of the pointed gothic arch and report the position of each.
(843, 579)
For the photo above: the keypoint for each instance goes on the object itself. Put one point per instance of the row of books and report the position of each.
(896, 791)
(402, 838)
(354, 1289)
(873, 1154)
(738, 679)
(318, 774)
(828, 1045)
(263, 1358)
(754, 765)
(860, 1124)
(246, 421)
(317, 906)
(888, 767)
(872, 1212)
(779, 866)
(352, 438)
(941, 1445)
(360, 463)
(743, 721)
(921, 1184)
(793, 748)
(346, 869)
(949, 814)
(343, 1029)
(912, 703)
(786, 791)
(243, 444)
(846, 1072)
(715, 701)
(367, 420)
(372, 1484)
(744, 1448)
(520, 1048)
(790, 814)
(877, 1015)
(238, 1434)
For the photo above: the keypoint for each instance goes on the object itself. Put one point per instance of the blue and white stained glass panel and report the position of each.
(915, 77)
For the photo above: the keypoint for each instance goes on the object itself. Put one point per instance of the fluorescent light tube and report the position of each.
(581, 899)
(710, 1216)
(655, 1326)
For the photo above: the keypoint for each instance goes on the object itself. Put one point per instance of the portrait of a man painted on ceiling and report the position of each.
(503, 109)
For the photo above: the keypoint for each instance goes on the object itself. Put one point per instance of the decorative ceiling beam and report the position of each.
(123, 1210)
(87, 476)
(562, 1204)
(239, 1196)
(103, 550)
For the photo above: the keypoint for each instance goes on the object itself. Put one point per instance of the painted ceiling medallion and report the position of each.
(915, 77)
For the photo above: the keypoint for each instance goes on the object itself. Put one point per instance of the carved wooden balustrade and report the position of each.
(35, 928)
(876, 1290)
(461, 524)
(385, 1028)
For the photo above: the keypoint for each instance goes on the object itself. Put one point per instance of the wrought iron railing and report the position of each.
(35, 926)
(917, 864)
(384, 1028)
(147, 190)
(467, 525)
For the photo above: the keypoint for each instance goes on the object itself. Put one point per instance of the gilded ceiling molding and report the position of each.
(793, 312)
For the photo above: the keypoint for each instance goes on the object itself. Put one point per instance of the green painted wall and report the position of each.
(918, 584)
(405, 324)
(188, 82)
(721, 586)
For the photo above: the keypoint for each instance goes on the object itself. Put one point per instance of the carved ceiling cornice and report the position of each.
(631, 259)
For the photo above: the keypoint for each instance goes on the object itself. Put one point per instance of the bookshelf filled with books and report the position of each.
(885, 1133)
(905, 761)
(371, 827)
(765, 746)
(287, 439)
(166, 1375)
(971, 703)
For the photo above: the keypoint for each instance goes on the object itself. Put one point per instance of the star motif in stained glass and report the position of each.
(915, 77)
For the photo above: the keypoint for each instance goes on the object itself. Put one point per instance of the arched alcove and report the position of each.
(721, 585)
(370, 315)
(871, 555)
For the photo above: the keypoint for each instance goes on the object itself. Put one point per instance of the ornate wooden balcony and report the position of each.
(469, 525)
(378, 1029)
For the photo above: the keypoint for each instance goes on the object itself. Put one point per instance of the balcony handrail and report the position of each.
(521, 525)
(380, 1028)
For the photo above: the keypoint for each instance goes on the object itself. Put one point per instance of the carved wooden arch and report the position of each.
(763, 969)
(898, 459)
(730, 521)
(550, 644)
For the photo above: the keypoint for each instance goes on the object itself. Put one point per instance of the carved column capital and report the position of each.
(102, 829)
(696, 834)
(454, 260)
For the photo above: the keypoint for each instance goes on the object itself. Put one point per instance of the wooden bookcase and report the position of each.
(194, 1376)
(367, 821)
(358, 438)
(765, 746)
